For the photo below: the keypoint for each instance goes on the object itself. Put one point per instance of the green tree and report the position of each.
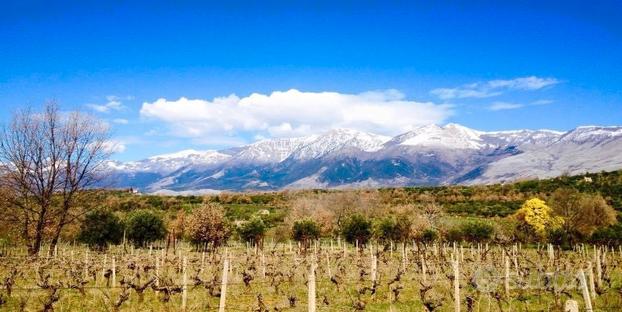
(610, 236)
(476, 231)
(101, 228)
(429, 235)
(357, 228)
(144, 227)
(253, 230)
(305, 231)
(389, 229)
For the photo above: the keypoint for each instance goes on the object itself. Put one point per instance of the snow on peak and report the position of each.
(180, 154)
(524, 137)
(344, 141)
(450, 136)
(272, 150)
(338, 139)
(592, 134)
(167, 163)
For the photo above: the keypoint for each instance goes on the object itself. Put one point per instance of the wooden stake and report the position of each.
(157, 271)
(184, 285)
(114, 272)
(85, 274)
(456, 285)
(104, 267)
(311, 284)
(403, 257)
(263, 265)
(223, 287)
(330, 274)
(571, 306)
(202, 261)
(599, 269)
(374, 269)
(590, 276)
(506, 282)
(423, 268)
(586, 294)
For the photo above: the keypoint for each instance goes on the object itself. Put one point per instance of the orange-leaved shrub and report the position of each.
(208, 225)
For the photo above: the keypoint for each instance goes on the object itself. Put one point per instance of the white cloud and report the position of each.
(494, 87)
(524, 83)
(114, 146)
(120, 121)
(497, 106)
(459, 93)
(542, 102)
(113, 104)
(293, 113)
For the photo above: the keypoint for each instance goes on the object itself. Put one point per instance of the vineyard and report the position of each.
(328, 275)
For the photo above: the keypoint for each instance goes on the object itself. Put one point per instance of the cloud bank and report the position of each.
(293, 113)
(494, 87)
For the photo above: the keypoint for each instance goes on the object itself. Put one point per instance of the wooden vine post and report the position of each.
(571, 306)
(104, 267)
(456, 266)
(223, 287)
(202, 262)
(374, 269)
(311, 284)
(263, 265)
(599, 268)
(590, 279)
(585, 292)
(85, 273)
(114, 272)
(328, 270)
(404, 257)
(423, 268)
(506, 281)
(157, 271)
(184, 285)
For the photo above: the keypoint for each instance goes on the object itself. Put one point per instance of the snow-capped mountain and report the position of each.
(339, 140)
(272, 151)
(168, 163)
(451, 136)
(522, 138)
(427, 155)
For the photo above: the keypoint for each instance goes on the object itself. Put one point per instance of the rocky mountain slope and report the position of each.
(341, 158)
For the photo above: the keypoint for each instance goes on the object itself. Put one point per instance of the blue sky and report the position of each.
(368, 65)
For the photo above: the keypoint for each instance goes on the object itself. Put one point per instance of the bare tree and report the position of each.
(46, 160)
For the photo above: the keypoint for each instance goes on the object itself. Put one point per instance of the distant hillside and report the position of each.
(483, 200)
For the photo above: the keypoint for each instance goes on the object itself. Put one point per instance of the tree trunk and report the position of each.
(38, 239)
(36, 244)
(61, 224)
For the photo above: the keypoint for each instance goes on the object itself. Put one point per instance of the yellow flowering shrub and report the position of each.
(537, 214)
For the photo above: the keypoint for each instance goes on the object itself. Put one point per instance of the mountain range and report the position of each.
(346, 158)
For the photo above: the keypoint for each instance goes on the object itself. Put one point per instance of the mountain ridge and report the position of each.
(426, 155)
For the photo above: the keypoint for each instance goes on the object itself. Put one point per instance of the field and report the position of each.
(396, 277)
(503, 269)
